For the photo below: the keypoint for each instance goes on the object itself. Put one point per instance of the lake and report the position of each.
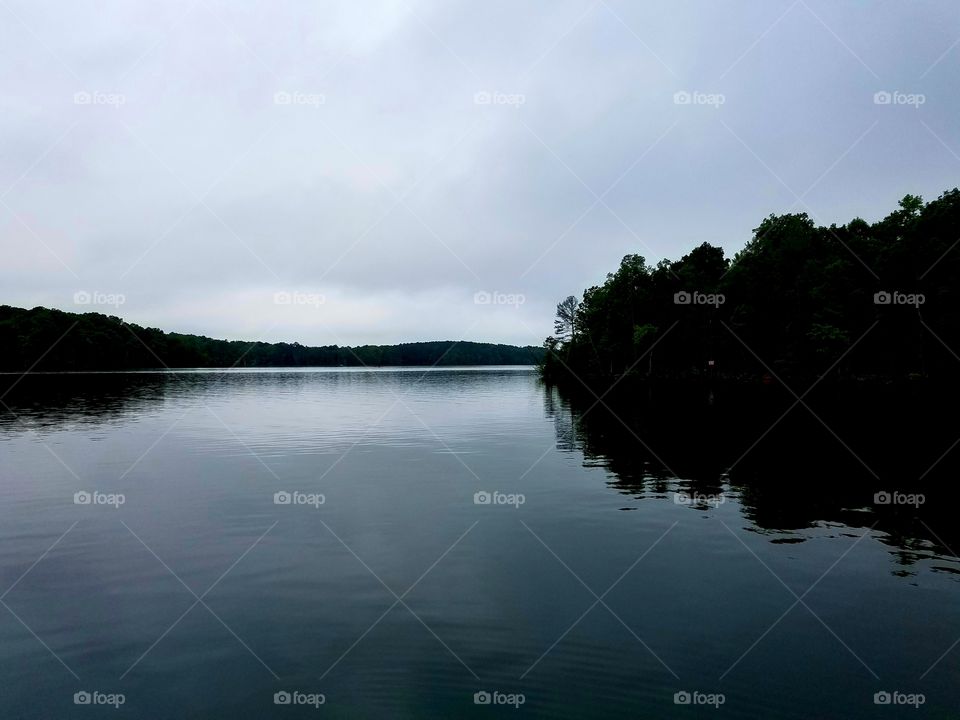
(465, 542)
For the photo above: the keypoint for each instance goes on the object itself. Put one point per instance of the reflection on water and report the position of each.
(790, 467)
(398, 596)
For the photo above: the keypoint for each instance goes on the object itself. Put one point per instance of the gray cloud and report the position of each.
(398, 158)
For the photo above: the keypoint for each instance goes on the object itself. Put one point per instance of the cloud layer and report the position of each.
(384, 171)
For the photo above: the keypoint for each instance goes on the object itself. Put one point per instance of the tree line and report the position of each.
(860, 301)
(44, 339)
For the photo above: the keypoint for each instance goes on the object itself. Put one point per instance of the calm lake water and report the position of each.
(439, 534)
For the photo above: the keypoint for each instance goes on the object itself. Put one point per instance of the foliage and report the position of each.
(43, 339)
(565, 326)
(798, 299)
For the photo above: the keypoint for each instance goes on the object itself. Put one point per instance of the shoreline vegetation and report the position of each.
(48, 340)
(859, 303)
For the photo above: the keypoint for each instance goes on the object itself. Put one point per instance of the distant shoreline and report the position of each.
(49, 340)
(277, 368)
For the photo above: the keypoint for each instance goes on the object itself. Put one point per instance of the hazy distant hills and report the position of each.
(43, 339)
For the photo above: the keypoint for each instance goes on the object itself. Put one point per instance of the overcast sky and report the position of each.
(389, 170)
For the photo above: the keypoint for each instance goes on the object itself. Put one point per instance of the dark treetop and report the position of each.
(860, 301)
(91, 341)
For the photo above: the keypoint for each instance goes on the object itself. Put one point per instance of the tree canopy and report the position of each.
(43, 339)
(861, 300)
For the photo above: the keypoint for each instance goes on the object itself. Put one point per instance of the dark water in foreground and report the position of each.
(782, 589)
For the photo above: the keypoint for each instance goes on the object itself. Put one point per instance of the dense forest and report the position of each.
(42, 339)
(861, 301)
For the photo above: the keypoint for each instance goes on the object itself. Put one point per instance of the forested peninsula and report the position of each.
(44, 339)
(860, 301)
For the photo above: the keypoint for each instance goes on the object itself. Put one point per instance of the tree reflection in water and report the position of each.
(791, 467)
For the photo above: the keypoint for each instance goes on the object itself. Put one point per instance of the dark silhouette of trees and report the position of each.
(91, 341)
(867, 301)
(565, 326)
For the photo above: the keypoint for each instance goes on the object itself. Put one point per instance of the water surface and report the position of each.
(782, 586)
